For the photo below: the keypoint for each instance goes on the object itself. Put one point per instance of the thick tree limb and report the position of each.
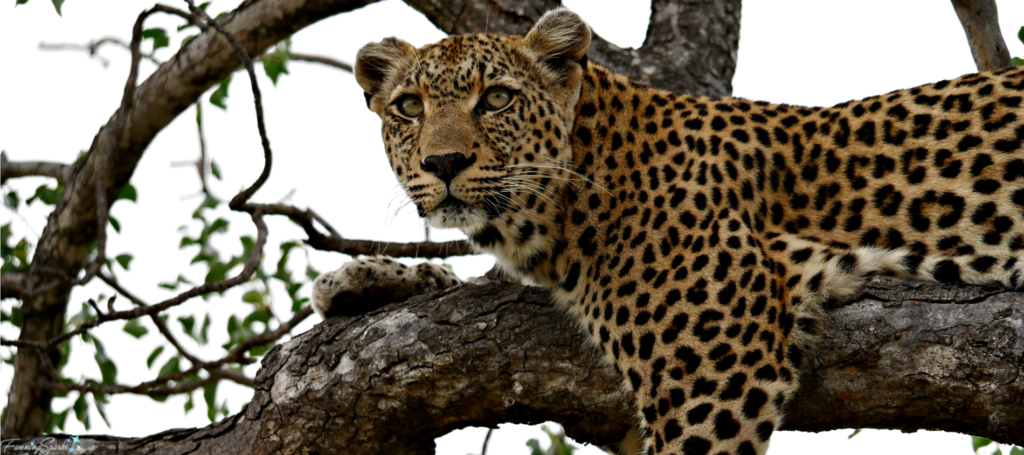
(981, 24)
(690, 46)
(907, 356)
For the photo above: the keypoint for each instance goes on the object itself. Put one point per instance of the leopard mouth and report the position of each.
(453, 212)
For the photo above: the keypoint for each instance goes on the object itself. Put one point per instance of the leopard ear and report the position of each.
(559, 38)
(378, 64)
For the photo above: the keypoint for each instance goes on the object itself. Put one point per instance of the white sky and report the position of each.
(328, 150)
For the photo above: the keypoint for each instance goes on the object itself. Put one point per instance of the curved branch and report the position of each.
(907, 356)
(335, 242)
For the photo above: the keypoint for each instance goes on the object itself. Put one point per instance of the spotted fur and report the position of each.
(696, 239)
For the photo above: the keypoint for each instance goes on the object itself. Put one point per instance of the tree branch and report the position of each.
(334, 242)
(9, 170)
(980, 20)
(92, 48)
(690, 46)
(322, 60)
(907, 356)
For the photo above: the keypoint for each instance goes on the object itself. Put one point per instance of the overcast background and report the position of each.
(329, 156)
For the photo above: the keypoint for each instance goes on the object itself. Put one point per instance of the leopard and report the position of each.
(696, 240)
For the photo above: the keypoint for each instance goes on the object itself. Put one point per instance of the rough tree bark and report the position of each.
(906, 356)
(690, 46)
(980, 20)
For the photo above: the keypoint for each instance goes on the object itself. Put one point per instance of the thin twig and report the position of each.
(322, 60)
(92, 48)
(157, 321)
(487, 439)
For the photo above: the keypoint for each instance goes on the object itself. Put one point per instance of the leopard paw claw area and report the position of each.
(368, 283)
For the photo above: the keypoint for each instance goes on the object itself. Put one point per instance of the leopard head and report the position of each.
(477, 127)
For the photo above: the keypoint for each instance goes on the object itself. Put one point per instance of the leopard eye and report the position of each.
(410, 106)
(496, 98)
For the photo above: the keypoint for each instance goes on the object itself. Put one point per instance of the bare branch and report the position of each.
(980, 20)
(92, 47)
(9, 170)
(157, 321)
(118, 127)
(323, 60)
(208, 288)
(334, 242)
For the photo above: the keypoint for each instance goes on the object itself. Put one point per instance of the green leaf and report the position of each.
(312, 273)
(49, 196)
(210, 396)
(159, 37)
(1017, 61)
(1016, 451)
(82, 410)
(57, 419)
(1020, 34)
(16, 3)
(855, 433)
(135, 329)
(172, 286)
(205, 331)
(114, 224)
(188, 404)
(129, 193)
(221, 94)
(152, 357)
(100, 403)
(124, 259)
(215, 169)
(12, 200)
(254, 297)
(107, 368)
(534, 445)
(190, 24)
(188, 324)
(274, 67)
(218, 272)
(170, 368)
(979, 442)
(56, 5)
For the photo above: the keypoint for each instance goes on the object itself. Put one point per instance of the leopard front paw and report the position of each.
(366, 284)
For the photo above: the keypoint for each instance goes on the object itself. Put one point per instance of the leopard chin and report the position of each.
(453, 213)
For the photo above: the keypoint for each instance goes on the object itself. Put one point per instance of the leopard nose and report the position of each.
(446, 167)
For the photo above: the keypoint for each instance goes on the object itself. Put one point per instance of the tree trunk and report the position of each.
(906, 356)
